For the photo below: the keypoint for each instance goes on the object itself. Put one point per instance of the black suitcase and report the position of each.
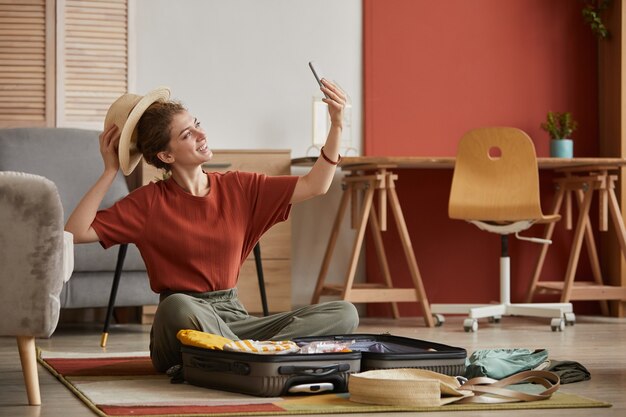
(269, 375)
(278, 375)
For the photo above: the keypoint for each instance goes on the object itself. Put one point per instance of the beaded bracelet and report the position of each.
(327, 159)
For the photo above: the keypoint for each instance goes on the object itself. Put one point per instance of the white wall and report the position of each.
(240, 66)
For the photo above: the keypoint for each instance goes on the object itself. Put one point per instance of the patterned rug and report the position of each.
(127, 385)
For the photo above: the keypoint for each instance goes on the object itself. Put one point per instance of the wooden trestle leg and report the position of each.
(363, 215)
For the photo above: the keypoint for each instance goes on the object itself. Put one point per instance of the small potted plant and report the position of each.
(560, 127)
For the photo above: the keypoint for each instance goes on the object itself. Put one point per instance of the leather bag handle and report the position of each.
(492, 391)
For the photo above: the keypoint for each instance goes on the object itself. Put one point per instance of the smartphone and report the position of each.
(312, 388)
(317, 74)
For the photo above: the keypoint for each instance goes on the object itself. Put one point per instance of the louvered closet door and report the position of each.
(26, 46)
(92, 59)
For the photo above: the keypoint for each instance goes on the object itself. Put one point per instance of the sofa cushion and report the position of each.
(71, 159)
(92, 257)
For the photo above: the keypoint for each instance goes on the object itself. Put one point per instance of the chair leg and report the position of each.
(121, 255)
(505, 271)
(259, 271)
(28, 358)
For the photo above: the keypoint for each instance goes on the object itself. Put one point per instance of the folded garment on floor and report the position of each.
(500, 363)
(569, 371)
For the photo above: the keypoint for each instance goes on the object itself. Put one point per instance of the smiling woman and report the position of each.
(241, 68)
(155, 124)
(196, 228)
(174, 135)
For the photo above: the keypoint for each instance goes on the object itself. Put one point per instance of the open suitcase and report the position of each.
(278, 375)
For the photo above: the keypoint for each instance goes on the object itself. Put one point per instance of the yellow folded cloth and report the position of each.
(215, 342)
(262, 347)
(202, 339)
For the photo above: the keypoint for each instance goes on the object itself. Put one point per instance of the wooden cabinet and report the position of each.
(275, 244)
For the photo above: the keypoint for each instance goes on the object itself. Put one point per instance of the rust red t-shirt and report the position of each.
(191, 243)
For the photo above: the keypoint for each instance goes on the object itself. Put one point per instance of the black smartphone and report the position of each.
(317, 74)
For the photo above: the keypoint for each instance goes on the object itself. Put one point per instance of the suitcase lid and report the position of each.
(389, 347)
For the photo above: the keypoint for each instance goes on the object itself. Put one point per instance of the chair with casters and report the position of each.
(495, 186)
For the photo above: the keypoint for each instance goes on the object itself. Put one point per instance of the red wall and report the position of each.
(435, 69)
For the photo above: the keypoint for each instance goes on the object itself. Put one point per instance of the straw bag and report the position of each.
(422, 388)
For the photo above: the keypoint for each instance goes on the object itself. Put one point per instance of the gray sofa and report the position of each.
(71, 159)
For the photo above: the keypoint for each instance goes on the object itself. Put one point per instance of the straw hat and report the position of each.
(423, 388)
(125, 113)
(405, 387)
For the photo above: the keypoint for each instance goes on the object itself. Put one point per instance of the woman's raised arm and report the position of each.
(318, 179)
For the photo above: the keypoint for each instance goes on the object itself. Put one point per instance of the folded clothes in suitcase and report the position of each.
(385, 351)
(276, 375)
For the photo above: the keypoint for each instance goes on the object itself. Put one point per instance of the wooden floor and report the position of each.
(596, 342)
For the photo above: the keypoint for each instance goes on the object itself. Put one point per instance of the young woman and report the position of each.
(195, 229)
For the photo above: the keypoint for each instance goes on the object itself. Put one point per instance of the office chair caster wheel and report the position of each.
(439, 319)
(495, 319)
(570, 319)
(470, 325)
(557, 325)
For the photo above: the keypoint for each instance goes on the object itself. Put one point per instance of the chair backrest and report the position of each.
(68, 157)
(495, 177)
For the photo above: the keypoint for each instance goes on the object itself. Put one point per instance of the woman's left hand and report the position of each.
(336, 100)
(318, 179)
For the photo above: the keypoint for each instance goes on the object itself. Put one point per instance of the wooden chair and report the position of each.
(496, 187)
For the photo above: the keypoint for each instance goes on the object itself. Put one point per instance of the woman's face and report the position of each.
(188, 143)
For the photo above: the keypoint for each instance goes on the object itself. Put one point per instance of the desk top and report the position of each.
(353, 163)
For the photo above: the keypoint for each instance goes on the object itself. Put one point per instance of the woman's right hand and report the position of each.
(109, 142)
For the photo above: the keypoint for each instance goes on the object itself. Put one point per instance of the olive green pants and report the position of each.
(221, 313)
